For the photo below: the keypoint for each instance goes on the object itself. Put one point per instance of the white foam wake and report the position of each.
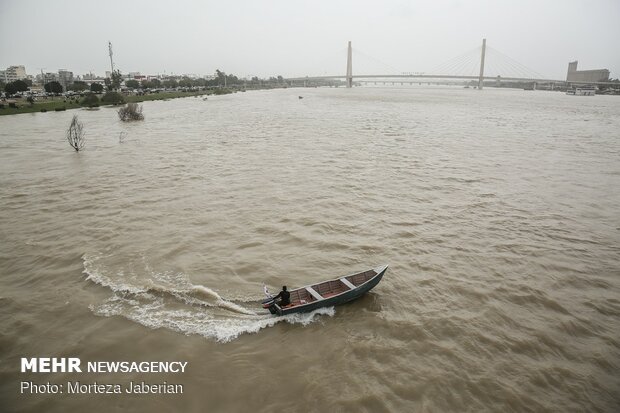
(171, 301)
(155, 315)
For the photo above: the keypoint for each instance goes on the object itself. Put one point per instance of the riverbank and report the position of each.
(64, 103)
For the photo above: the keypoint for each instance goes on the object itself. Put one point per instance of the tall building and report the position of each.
(13, 73)
(45, 78)
(597, 75)
(65, 78)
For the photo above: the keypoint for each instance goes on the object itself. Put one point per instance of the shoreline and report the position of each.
(63, 104)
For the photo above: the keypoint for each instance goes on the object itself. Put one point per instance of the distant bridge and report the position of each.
(528, 76)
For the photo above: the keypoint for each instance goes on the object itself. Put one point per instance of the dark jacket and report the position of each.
(285, 298)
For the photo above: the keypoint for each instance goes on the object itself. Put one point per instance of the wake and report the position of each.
(171, 301)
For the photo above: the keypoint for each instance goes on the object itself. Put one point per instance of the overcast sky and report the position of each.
(297, 38)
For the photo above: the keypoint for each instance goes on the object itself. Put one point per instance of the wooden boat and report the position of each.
(328, 293)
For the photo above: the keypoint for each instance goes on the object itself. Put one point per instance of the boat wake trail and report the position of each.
(171, 301)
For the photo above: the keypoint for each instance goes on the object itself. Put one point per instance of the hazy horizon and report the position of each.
(304, 38)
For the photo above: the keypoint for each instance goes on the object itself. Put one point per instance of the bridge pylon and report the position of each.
(481, 77)
(349, 66)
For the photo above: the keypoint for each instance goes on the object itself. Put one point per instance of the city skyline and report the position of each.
(278, 38)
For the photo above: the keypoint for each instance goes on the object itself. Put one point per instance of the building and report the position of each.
(65, 78)
(45, 78)
(13, 73)
(586, 76)
(89, 76)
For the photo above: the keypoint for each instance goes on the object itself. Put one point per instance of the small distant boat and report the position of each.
(582, 91)
(328, 293)
(300, 97)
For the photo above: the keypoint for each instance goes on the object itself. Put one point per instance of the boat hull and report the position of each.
(339, 299)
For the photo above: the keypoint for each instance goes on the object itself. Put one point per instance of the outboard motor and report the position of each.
(270, 303)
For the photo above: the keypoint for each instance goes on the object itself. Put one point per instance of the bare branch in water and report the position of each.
(75, 134)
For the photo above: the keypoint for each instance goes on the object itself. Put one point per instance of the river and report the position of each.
(498, 212)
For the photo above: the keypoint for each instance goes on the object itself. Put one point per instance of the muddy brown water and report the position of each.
(497, 211)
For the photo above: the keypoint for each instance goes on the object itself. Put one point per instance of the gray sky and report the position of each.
(296, 38)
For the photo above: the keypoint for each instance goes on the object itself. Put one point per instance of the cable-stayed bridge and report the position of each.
(481, 64)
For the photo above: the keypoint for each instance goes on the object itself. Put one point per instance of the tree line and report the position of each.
(221, 79)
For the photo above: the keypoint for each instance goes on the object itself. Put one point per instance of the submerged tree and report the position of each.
(131, 112)
(75, 134)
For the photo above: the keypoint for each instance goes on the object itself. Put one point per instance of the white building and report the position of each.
(588, 76)
(13, 73)
(65, 78)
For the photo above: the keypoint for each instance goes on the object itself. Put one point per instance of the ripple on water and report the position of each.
(496, 212)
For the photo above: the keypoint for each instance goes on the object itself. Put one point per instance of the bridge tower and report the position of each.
(349, 66)
(110, 52)
(481, 77)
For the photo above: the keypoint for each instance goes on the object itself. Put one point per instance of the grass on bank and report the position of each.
(61, 103)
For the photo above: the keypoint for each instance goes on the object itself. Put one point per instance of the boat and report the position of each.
(328, 293)
(582, 91)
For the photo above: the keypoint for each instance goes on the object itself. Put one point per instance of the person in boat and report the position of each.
(284, 296)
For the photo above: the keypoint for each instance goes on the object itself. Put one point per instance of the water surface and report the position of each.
(497, 211)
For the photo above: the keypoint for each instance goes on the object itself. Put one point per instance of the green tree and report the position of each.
(96, 87)
(232, 80)
(186, 82)
(53, 87)
(156, 82)
(221, 77)
(132, 84)
(170, 83)
(28, 82)
(91, 100)
(10, 89)
(20, 85)
(116, 80)
(78, 86)
(113, 98)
